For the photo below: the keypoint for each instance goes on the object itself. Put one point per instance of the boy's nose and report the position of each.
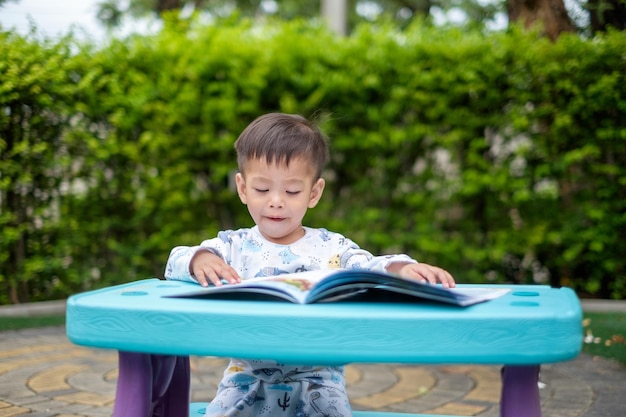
(276, 200)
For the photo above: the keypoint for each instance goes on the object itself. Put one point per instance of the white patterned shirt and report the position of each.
(251, 255)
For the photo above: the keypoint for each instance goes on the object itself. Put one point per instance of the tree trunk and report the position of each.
(335, 12)
(549, 14)
(166, 5)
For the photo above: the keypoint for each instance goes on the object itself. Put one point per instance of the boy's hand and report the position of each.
(207, 267)
(423, 272)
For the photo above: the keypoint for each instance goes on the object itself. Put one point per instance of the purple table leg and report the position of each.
(152, 386)
(520, 391)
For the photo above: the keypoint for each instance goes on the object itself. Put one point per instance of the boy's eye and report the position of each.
(293, 192)
(261, 190)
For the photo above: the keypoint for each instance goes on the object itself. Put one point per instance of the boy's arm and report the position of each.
(177, 266)
(353, 257)
(203, 264)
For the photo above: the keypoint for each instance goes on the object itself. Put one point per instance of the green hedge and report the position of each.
(499, 156)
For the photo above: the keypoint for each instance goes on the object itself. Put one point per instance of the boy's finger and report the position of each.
(200, 277)
(215, 278)
(227, 274)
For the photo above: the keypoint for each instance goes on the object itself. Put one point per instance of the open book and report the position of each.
(338, 284)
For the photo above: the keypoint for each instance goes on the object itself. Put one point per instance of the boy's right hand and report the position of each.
(207, 267)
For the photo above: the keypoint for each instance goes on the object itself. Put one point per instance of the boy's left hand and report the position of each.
(424, 273)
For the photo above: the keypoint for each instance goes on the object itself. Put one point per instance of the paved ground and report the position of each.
(43, 374)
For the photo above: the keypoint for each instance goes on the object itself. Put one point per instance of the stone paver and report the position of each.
(43, 375)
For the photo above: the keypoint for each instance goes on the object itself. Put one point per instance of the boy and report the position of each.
(280, 160)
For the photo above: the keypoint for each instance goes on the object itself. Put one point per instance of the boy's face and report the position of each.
(278, 196)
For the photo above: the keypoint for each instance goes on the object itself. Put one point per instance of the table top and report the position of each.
(532, 324)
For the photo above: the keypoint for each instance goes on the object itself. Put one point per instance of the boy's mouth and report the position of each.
(275, 219)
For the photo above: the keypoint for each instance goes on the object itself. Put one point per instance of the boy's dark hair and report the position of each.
(280, 138)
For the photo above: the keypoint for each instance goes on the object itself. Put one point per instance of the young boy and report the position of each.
(280, 160)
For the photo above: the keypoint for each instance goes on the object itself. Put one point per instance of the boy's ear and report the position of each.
(316, 192)
(241, 187)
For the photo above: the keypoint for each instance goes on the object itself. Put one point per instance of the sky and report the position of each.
(53, 18)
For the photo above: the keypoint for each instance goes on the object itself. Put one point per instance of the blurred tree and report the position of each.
(400, 11)
(606, 13)
(552, 15)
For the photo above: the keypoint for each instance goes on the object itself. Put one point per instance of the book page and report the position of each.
(338, 284)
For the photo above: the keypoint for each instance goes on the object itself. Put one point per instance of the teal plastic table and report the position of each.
(155, 335)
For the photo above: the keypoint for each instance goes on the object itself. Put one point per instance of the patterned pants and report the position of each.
(264, 388)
